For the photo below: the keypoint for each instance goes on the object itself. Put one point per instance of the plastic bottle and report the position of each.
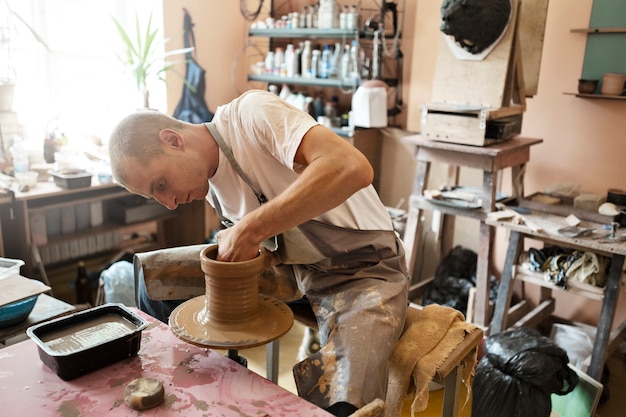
(375, 74)
(20, 158)
(310, 20)
(345, 70)
(343, 17)
(315, 63)
(290, 56)
(335, 63)
(82, 285)
(269, 62)
(325, 62)
(303, 15)
(354, 61)
(285, 92)
(353, 18)
(305, 61)
(279, 59)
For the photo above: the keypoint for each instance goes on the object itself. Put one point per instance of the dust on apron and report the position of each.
(357, 284)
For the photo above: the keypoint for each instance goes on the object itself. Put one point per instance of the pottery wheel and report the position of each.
(273, 320)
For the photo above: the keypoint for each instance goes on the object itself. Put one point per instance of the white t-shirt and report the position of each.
(264, 133)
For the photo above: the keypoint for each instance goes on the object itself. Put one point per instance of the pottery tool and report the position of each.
(144, 393)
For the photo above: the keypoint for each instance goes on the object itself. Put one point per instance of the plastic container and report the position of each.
(91, 339)
(10, 267)
(73, 178)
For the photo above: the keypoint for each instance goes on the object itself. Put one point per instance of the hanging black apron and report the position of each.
(192, 106)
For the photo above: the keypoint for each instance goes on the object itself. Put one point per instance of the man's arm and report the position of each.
(334, 170)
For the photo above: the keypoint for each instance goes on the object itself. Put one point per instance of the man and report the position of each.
(287, 176)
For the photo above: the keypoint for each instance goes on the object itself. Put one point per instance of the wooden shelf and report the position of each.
(596, 96)
(599, 30)
(537, 278)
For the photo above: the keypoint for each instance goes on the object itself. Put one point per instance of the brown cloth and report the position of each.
(429, 336)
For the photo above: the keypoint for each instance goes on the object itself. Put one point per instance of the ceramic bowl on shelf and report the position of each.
(586, 86)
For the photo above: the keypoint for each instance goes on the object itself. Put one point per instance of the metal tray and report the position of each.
(91, 339)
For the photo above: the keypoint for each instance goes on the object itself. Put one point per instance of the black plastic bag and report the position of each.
(192, 106)
(520, 370)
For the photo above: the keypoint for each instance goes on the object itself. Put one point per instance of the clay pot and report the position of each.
(232, 314)
(232, 288)
(587, 86)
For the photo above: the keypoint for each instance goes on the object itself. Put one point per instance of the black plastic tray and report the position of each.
(73, 178)
(91, 339)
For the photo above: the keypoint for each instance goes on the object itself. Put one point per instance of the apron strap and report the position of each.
(270, 244)
(231, 158)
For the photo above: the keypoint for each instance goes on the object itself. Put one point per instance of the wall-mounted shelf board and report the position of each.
(319, 82)
(305, 33)
(599, 30)
(597, 96)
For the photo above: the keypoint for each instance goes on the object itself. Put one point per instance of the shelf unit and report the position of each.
(605, 49)
(33, 230)
(281, 36)
(607, 338)
(598, 31)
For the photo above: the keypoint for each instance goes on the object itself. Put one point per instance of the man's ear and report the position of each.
(171, 138)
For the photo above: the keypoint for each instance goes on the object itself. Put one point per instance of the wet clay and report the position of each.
(231, 314)
(92, 332)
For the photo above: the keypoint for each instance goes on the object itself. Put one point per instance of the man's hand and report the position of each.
(233, 248)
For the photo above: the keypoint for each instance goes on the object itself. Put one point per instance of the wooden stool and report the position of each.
(449, 373)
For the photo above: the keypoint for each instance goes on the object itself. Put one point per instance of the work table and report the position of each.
(197, 381)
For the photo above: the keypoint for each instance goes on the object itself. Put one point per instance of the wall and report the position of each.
(583, 139)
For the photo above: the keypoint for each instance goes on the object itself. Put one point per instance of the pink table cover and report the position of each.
(197, 381)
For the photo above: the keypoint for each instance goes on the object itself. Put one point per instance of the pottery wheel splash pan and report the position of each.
(91, 339)
(273, 320)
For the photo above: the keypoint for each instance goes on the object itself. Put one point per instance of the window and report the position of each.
(78, 87)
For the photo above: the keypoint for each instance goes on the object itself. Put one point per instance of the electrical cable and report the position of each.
(250, 16)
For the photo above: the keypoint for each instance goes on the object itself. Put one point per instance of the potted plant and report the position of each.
(143, 57)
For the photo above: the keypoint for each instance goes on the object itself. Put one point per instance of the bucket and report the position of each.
(369, 106)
